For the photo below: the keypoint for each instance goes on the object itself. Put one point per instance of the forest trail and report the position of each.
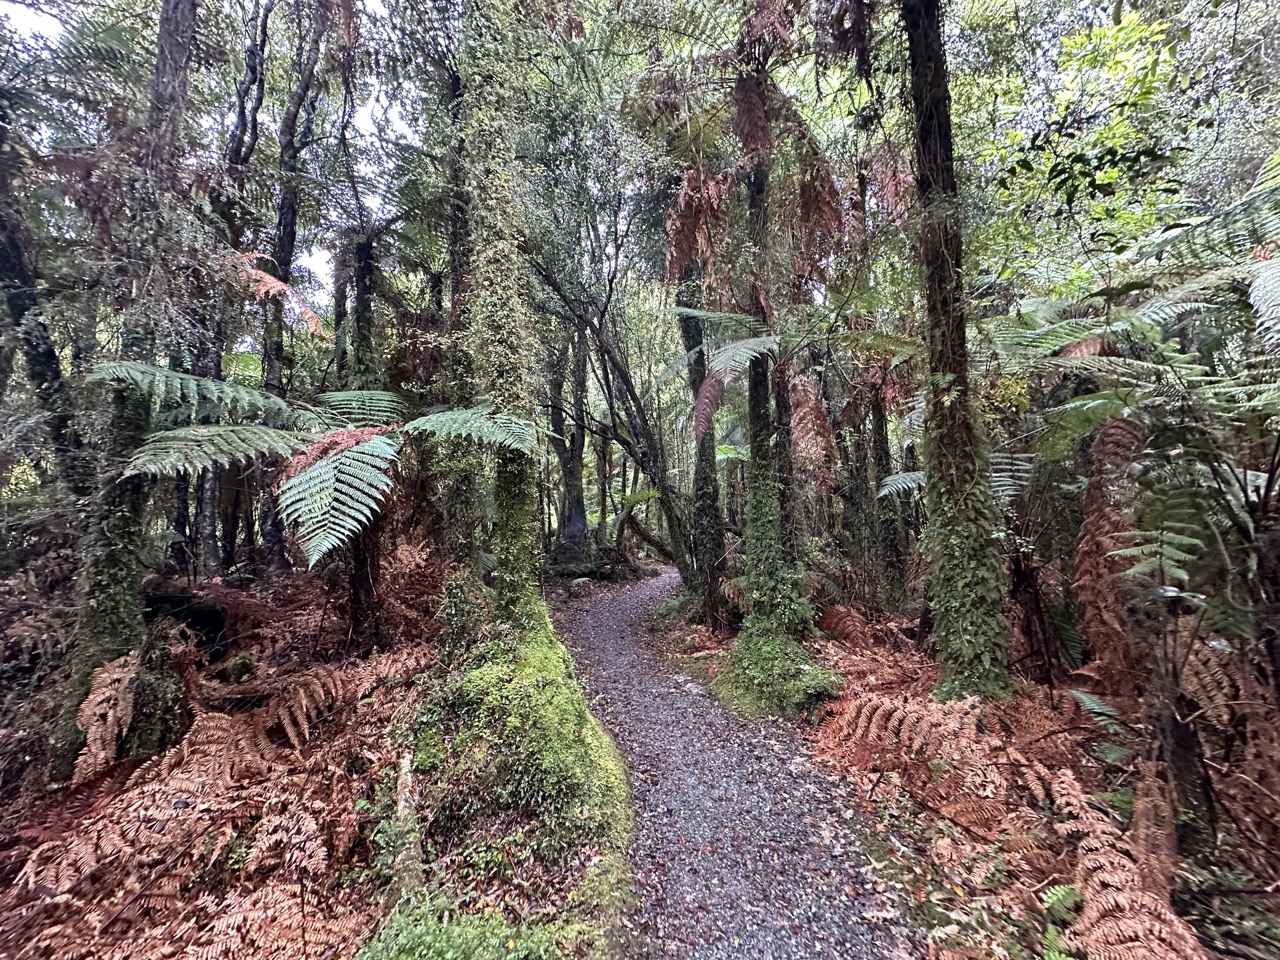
(743, 849)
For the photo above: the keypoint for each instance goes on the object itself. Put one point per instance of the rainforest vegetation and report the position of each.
(345, 344)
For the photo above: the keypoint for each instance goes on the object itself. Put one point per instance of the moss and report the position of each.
(967, 572)
(428, 928)
(529, 738)
(771, 673)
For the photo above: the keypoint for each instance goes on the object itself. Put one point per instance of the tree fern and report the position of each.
(480, 424)
(731, 359)
(169, 387)
(899, 483)
(193, 450)
(1253, 221)
(1264, 297)
(333, 499)
(365, 408)
(1011, 474)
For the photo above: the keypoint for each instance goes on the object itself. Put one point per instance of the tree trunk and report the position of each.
(111, 624)
(966, 570)
(891, 545)
(708, 521)
(295, 136)
(568, 442)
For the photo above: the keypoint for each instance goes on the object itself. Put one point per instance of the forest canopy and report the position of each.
(345, 343)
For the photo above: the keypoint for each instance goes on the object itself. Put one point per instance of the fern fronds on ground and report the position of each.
(1121, 918)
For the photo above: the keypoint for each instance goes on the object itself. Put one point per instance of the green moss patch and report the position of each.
(771, 673)
(528, 740)
(529, 808)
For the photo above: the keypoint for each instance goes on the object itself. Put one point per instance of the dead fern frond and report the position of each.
(813, 444)
(1121, 919)
(106, 714)
(1108, 501)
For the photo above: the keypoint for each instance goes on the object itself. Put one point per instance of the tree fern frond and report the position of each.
(1011, 474)
(165, 386)
(193, 450)
(1252, 222)
(1118, 369)
(333, 499)
(480, 424)
(731, 359)
(899, 483)
(1269, 175)
(725, 324)
(881, 344)
(1264, 297)
(365, 408)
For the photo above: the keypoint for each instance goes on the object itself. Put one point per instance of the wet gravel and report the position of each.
(743, 849)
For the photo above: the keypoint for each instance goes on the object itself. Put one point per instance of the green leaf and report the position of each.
(898, 483)
(365, 408)
(165, 386)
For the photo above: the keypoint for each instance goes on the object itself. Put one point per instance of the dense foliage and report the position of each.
(937, 347)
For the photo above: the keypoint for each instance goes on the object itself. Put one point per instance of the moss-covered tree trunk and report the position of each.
(966, 569)
(111, 623)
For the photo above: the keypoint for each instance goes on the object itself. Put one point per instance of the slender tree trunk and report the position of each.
(967, 576)
(366, 552)
(708, 521)
(891, 545)
(568, 442)
(294, 138)
(773, 579)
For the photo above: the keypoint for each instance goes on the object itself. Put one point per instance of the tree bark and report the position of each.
(966, 570)
(295, 136)
(568, 441)
(708, 521)
(111, 623)
(891, 545)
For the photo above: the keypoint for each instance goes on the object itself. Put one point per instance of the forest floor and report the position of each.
(744, 848)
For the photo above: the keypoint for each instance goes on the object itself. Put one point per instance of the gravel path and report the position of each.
(743, 849)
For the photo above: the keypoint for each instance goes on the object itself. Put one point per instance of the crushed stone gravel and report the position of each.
(743, 848)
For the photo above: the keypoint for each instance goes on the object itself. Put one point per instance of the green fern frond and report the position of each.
(365, 408)
(169, 387)
(725, 324)
(480, 424)
(881, 345)
(899, 483)
(1011, 474)
(1264, 297)
(1253, 221)
(1121, 370)
(1061, 901)
(332, 500)
(1269, 175)
(1104, 714)
(731, 359)
(190, 451)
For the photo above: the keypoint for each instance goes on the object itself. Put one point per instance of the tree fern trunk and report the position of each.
(891, 547)
(708, 521)
(967, 576)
